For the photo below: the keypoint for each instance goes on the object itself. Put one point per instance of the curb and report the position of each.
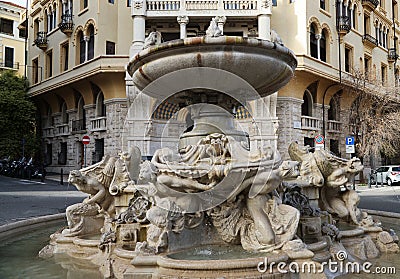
(382, 213)
(29, 224)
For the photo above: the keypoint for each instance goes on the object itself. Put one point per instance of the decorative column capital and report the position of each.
(318, 36)
(86, 38)
(182, 19)
(220, 19)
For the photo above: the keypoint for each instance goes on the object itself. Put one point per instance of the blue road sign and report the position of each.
(349, 140)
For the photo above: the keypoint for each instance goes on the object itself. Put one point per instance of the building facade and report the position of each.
(78, 51)
(12, 39)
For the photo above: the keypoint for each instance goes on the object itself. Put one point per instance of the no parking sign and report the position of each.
(319, 141)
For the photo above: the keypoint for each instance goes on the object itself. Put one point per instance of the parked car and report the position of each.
(387, 174)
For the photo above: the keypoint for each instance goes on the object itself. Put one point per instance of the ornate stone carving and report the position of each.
(213, 30)
(138, 4)
(182, 19)
(154, 38)
(275, 38)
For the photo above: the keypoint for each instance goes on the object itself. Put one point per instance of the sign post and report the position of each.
(319, 142)
(350, 145)
(85, 141)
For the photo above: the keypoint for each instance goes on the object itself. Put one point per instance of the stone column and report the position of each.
(139, 27)
(318, 37)
(264, 20)
(264, 27)
(86, 39)
(183, 21)
(221, 22)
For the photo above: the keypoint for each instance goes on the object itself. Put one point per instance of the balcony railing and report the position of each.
(157, 5)
(310, 123)
(13, 66)
(392, 54)
(371, 3)
(62, 130)
(370, 40)
(66, 25)
(246, 6)
(98, 124)
(334, 126)
(343, 24)
(201, 5)
(41, 40)
(78, 125)
(48, 132)
(240, 5)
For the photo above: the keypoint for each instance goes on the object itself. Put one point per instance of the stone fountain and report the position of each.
(214, 207)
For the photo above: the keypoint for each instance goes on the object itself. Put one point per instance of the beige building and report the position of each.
(78, 51)
(12, 39)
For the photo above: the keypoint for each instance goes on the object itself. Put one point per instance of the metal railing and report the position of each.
(392, 54)
(66, 25)
(343, 23)
(14, 66)
(41, 40)
(369, 38)
(373, 3)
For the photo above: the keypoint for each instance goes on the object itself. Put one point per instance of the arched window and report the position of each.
(354, 16)
(49, 122)
(380, 39)
(81, 109)
(333, 111)
(323, 46)
(306, 106)
(81, 47)
(100, 106)
(91, 42)
(46, 22)
(313, 42)
(50, 20)
(64, 114)
(54, 16)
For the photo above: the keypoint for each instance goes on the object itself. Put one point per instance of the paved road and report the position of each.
(21, 199)
(382, 198)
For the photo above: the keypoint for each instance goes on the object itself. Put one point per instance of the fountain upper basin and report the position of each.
(228, 64)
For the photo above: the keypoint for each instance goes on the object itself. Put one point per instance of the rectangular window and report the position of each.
(62, 155)
(49, 64)
(367, 67)
(322, 4)
(35, 70)
(64, 56)
(274, 3)
(129, 3)
(98, 150)
(384, 74)
(6, 26)
(9, 57)
(348, 59)
(110, 48)
(111, 1)
(22, 33)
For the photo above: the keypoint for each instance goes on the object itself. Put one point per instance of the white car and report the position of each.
(388, 174)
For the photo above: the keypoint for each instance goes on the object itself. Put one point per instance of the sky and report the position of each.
(18, 2)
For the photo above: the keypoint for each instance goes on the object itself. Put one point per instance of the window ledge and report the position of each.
(83, 11)
(325, 12)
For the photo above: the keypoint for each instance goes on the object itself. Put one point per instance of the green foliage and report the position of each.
(17, 117)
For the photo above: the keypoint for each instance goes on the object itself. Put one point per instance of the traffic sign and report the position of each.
(85, 139)
(319, 142)
(319, 139)
(350, 149)
(349, 140)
